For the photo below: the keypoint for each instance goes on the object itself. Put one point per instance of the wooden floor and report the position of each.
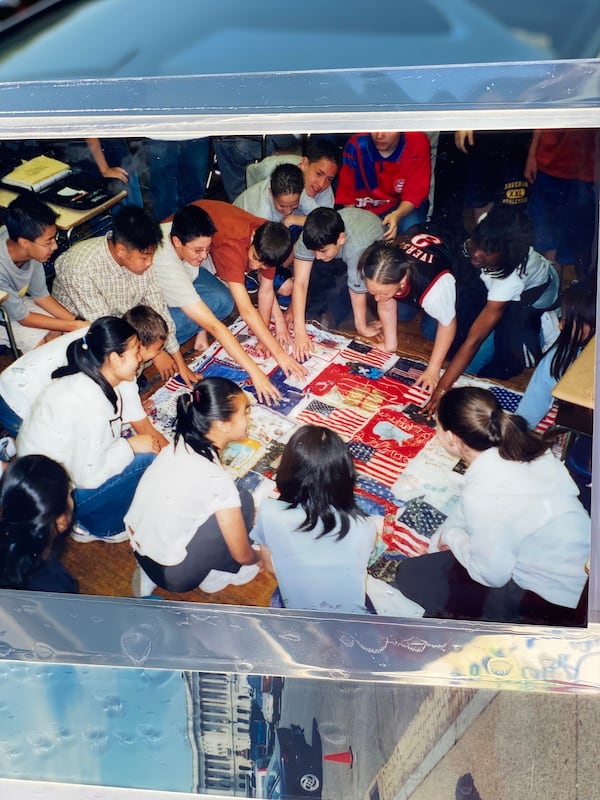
(106, 569)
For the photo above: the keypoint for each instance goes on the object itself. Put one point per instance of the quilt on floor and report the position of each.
(405, 477)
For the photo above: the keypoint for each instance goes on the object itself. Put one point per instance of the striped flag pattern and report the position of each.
(357, 351)
(344, 421)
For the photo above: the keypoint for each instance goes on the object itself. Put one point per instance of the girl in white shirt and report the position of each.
(515, 546)
(187, 518)
(77, 421)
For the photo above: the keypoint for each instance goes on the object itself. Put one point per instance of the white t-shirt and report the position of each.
(74, 423)
(439, 299)
(178, 492)
(23, 380)
(505, 290)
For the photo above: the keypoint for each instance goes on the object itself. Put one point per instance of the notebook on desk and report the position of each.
(36, 174)
(78, 191)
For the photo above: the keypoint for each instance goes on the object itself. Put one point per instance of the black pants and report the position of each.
(207, 550)
(439, 583)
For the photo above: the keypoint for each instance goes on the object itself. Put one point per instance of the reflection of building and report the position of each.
(219, 731)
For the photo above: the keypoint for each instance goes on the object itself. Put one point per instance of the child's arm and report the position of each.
(479, 331)
(233, 529)
(268, 308)
(387, 311)
(303, 346)
(60, 319)
(145, 426)
(255, 322)
(444, 337)
(359, 309)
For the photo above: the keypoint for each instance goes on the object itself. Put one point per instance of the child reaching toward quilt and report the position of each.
(188, 524)
(514, 547)
(317, 539)
(416, 268)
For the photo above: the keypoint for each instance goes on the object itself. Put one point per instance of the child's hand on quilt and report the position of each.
(303, 346)
(282, 335)
(372, 330)
(428, 380)
(292, 368)
(265, 391)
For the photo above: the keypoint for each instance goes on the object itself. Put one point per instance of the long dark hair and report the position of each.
(106, 335)
(478, 419)
(578, 309)
(317, 473)
(211, 400)
(34, 491)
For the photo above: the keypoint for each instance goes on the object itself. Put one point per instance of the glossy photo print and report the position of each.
(340, 370)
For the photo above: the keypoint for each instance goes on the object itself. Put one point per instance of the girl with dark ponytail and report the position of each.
(515, 546)
(36, 511)
(77, 421)
(188, 523)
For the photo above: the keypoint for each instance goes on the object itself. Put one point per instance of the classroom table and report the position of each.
(575, 393)
(70, 218)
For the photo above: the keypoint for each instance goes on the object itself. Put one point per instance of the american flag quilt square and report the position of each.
(406, 371)
(344, 421)
(421, 517)
(367, 354)
(507, 399)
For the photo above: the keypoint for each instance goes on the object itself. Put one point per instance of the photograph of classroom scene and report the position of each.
(337, 372)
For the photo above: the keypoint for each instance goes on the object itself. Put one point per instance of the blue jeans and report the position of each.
(177, 173)
(216, 296)
(10, 421)
(101, 510)
(563, 216)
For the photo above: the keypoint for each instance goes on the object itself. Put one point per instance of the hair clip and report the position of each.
(84, 344)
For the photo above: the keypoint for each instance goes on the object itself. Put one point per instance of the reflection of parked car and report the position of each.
(296, 767)
(271, 699)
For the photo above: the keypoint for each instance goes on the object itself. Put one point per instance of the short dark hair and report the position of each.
(28, 217)
(135, 229)
(287, 179)
(323, 226)
(147, 323)
(505, 230)
(317, 473)
(273, 243)
(319, 148)
(190, 222)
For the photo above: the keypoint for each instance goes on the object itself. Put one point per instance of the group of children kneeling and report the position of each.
(514, 548)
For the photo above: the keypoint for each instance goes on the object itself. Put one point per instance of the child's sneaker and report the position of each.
(217, 580)
(8, 448)
(142, 584)
(81, 534)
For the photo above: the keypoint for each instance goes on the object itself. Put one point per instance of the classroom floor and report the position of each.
(106, 569)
